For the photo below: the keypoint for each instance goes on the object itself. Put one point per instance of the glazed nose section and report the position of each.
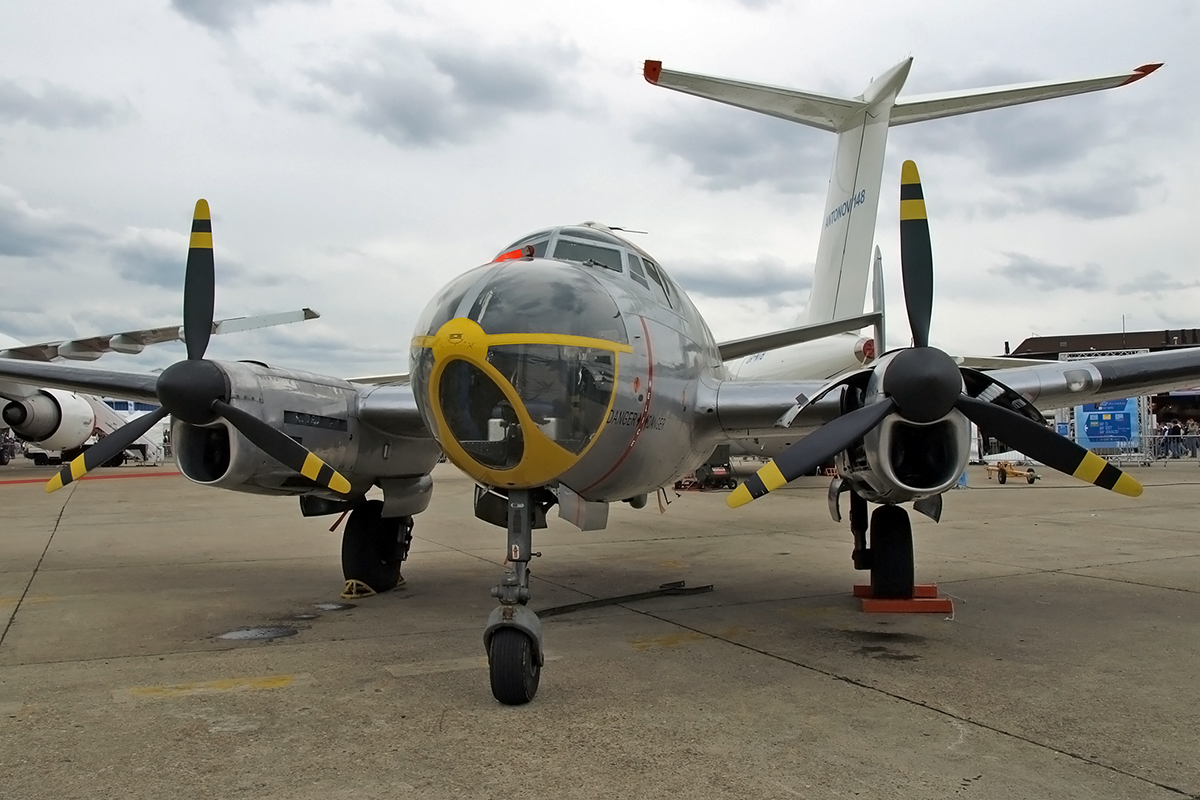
(518, 410)
(519, 374)
(480, 417)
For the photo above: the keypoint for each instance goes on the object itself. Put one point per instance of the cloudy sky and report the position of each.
(359, 154)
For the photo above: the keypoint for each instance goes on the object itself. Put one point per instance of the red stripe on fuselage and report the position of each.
(644, 419)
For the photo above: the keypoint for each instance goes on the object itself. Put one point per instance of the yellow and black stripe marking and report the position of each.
(1097, 471)
(767, 479)
(71, 472)
(201, 228)
(912, 199)
(317, 470)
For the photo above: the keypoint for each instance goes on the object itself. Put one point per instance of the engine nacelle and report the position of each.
(900, 460)
(318, 412)
(55, 419)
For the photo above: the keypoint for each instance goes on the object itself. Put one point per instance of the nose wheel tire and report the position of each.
(373, 546)
(892, 569)
(514, 672)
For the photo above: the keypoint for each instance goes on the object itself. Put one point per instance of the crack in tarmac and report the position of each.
(58, 520)
(956, 718)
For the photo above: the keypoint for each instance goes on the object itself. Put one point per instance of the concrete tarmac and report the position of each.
(1069, 668)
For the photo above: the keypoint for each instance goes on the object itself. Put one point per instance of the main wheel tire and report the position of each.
(1002, 476)
(891, 554)
(1030, 475)
(514, 672)
(372, 547)
(3, 458)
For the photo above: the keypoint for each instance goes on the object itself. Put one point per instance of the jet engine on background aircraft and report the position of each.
(55, 419)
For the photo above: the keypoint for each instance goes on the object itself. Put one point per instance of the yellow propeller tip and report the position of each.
(201, 209)
(909, 174)
(339, 484)
(1128, 486)
(738, 497)
(54, 484)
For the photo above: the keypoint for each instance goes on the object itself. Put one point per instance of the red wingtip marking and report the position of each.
(1141, 72)
(652, 71)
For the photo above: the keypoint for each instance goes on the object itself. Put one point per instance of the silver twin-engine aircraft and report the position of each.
(572, 370)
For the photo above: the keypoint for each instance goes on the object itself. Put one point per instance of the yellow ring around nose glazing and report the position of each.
(543, 459)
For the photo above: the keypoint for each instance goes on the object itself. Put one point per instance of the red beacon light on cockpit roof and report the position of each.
(512, 255)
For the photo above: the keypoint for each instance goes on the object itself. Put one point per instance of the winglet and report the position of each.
(1141, 72)
(652, 71)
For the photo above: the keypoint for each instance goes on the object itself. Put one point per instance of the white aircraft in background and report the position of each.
(57, 424)
(826, 342)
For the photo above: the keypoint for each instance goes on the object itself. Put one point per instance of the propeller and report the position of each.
(196, 390)
(923, 384)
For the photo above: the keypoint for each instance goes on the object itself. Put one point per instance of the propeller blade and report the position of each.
(811, 451)
(199, 284)
(1039, 442)
(283, 448)
(916, 255)
(99, 453)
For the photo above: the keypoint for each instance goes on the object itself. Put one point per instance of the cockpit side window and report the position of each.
(635, 270)
(657, 276)
(592, 254)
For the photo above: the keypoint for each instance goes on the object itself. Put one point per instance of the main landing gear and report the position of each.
(373, 549)
(513, 636)
(890, 556)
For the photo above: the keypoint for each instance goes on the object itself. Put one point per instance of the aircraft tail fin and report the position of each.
(861, 124)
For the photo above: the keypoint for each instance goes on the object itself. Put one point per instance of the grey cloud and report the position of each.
(731, 148)
(1028, 271)
(763, 277)
(150, 261)
(158, 258)
(1114, 193)
(25, 231)
(423, 94)
(225, 15)
(1157, 283)
(58, 107)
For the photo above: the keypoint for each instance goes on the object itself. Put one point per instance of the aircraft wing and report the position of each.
(998, 362)
(379, 380)
(106, 383)
(764, 409)
(804, 333)
(133, 342)
(1062, 384)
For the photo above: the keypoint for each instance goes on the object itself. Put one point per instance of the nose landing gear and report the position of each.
(513, 636)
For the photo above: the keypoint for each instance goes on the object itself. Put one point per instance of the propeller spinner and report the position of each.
(195, 390)
(923, 384)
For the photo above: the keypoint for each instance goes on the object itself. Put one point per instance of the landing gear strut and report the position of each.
(513, 636)
(374, 546)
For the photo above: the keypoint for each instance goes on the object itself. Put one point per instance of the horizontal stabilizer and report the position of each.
(804, 333)
(809, 108)
(936, 106)
(830, 113)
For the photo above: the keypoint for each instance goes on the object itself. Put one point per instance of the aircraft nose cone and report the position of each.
(924, 382)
